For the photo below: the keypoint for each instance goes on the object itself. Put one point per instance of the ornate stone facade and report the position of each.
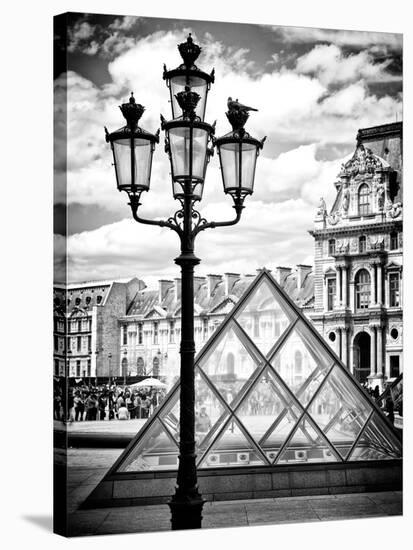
(358, 258)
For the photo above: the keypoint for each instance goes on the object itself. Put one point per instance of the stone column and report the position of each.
(373, 352)
(379, 352)
(345, 298)
(373, 287)
(339, 342)
(344, 345)
(337, 288)
(351, 291)
(351, 359)
(379, 285)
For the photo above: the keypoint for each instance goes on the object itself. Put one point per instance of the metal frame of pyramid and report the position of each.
(306, 416)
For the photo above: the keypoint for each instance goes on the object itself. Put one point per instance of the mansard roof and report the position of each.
(223, 293)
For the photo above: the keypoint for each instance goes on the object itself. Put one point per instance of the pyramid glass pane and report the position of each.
(156, 450)
(264, 317)
(340, 410)
(208, 411)
(306, 445)
(263, 405)
(302, 363)
(228, 364)
(232, 448)
(377, 442)
(280, 430)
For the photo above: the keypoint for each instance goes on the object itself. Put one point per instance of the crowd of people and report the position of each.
(105, 402)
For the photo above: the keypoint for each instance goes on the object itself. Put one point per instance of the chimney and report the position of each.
(212, 282)
(177, 289)
(164, 285)
(281, 273)
(302, 272)
(229, 280)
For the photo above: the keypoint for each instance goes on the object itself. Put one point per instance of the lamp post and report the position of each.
(188, 144)
(110, 365)
(124, 366)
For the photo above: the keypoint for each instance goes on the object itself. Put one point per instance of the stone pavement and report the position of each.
(135, 519)
(88, 466)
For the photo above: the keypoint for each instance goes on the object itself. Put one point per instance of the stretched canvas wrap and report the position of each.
(228, 328)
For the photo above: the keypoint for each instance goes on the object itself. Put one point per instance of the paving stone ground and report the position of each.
(88, 466)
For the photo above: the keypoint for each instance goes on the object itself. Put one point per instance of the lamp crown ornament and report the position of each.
(132, 111)
(189, 51)
(188, 101)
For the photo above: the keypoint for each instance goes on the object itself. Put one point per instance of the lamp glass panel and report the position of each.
(122, 154)
(236, 174)
(143, 163)
(179, 141)
(197, 84)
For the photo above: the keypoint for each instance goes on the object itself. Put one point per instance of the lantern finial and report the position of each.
(189, 51)
(132, 111)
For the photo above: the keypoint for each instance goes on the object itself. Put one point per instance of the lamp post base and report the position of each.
(186, 511)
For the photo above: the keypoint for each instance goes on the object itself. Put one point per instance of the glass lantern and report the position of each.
(132, 149)
(238, 154)
(187, 145)
(188, 74)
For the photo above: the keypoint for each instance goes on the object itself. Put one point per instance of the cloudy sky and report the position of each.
(313, 88)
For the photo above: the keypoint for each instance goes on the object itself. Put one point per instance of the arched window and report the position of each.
(230, 364)
(362, 289)
(364, 199)
(140, 366)
(155, 370)
(362, 244)
(331, 247)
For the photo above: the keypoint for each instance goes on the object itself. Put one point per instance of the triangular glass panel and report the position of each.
(302, 363)
(278, 433)
(306, 445)
(156, 450)
(265, 316)
(266, 402)
(229, 364)
(340, 410)
(232, 448)
(209, 410)
(377, 442)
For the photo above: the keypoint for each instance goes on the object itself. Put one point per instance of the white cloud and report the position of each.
(126, 248)
(331, 66)
(306, 35)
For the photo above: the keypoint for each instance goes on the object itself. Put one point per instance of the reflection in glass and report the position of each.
(377, 442)
(302, 363)
(228, 365)
(306, 445)
(232, 448)
(264, 318)
(267, 406)
(339, 411)
(155, 451)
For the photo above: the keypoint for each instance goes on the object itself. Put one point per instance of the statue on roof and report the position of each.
(322, 208)
(346, 199)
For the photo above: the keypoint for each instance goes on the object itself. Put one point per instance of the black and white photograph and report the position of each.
(228, 330)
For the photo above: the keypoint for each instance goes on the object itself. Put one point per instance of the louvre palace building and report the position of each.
(352, 294)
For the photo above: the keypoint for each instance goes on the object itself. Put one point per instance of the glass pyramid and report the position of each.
(269, 391)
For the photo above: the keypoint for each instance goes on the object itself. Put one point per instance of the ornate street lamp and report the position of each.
(187, 142)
